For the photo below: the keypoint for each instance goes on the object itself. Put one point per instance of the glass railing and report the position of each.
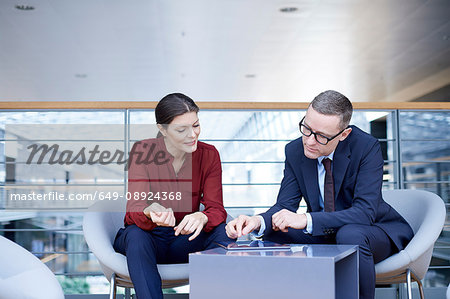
(415, 146)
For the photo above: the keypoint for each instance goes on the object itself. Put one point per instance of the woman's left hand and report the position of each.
(192, 223)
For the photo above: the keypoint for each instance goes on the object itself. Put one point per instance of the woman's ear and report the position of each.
(162, 130)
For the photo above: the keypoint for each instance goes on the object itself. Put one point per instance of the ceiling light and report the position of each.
(288, 9)
(24, 7)
(250, 76)
(81, 76)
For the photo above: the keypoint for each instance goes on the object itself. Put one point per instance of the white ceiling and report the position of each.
(223, 50)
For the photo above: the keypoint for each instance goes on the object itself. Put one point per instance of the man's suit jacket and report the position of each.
(357, 173)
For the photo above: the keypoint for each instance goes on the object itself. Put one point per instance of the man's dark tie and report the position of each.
(328, 189)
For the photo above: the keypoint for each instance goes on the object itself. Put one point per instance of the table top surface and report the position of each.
(331, 251)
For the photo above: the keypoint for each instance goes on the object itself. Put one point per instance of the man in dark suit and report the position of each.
(338, 170)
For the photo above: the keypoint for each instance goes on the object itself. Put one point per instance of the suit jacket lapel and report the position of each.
(341, 159)
(310, 176)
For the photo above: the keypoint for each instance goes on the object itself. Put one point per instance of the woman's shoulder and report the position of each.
(206, 156)
(205, 149)
(206, 146)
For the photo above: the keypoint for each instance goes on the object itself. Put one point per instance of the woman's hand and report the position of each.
(192, 223)
(160, 215)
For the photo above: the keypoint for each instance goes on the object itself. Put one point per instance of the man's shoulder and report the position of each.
(294, 145)
(358, 134)
(359, 140)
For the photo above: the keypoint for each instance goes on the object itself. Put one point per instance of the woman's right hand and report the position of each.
(160, 215)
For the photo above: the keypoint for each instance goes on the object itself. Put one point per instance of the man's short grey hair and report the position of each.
(331, 102)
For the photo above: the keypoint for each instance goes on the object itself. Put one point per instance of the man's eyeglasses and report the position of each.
(306, 131)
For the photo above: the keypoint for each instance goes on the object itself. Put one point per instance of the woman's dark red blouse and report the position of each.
(151, 173)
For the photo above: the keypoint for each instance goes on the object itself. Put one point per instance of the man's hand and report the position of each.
(242, 225)
(284, 219)
(160, 215)
(192, 223)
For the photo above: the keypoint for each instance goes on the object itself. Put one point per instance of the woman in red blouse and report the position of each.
(168, 178)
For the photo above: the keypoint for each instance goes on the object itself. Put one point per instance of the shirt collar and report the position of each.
(330, 156)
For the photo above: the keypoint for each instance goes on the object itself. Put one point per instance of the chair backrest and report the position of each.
(425, 213)
(423, 210)
(100, 225)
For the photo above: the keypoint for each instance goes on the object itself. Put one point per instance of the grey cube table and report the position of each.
(301, 271)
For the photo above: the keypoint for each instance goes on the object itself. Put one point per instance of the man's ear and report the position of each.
(161, 129)
(345, 134)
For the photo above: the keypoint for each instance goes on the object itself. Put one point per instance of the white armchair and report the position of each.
(24, 276)
(100, 228)
(425, 213)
